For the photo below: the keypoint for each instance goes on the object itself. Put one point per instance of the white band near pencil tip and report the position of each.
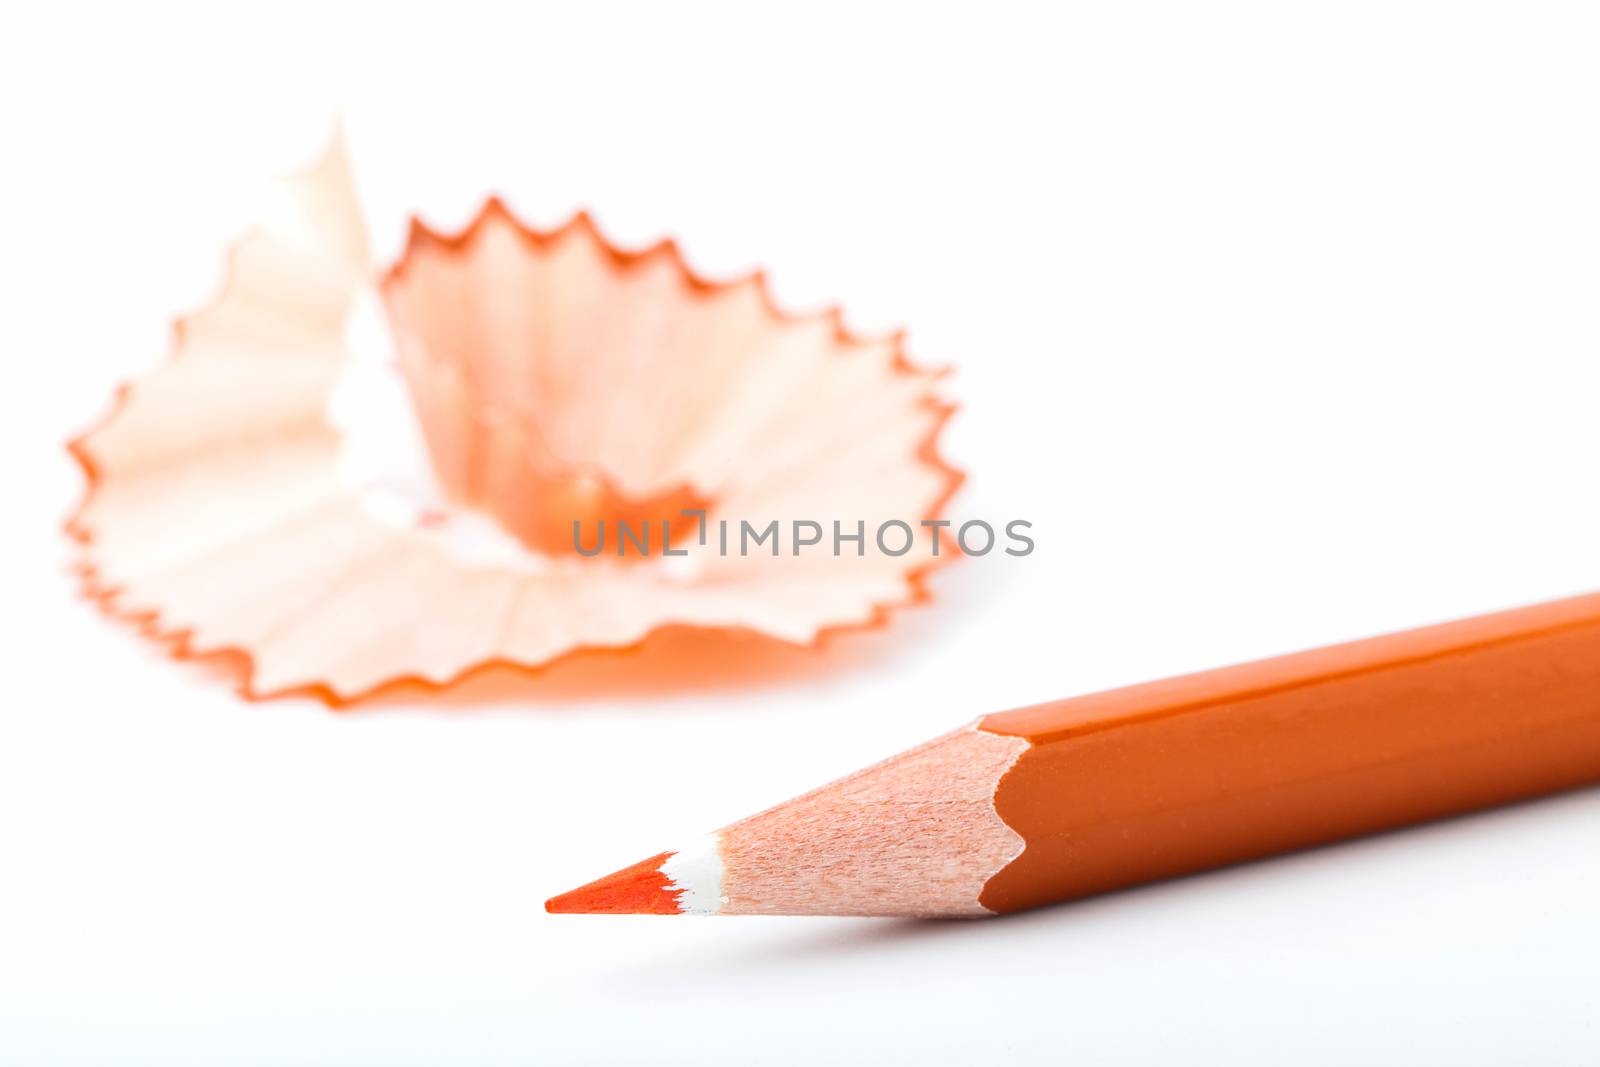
(697, 872)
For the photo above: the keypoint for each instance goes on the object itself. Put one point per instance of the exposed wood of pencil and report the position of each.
(1098, 792)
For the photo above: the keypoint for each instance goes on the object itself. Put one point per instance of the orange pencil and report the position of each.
(1094, 793)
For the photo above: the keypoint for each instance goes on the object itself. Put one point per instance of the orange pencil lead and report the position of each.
(638, 890)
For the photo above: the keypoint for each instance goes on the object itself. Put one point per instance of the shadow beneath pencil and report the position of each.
(846, 936)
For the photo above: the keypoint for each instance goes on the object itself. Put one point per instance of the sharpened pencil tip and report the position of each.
(638, 890)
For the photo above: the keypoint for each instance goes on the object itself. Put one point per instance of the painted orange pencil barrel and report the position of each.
(1180, 775)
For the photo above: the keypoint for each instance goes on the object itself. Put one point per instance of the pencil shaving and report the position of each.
(558, 382)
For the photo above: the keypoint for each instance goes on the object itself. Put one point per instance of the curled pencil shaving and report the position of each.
(556, 380)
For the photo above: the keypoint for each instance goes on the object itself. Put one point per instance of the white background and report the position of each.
(1282, 324)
